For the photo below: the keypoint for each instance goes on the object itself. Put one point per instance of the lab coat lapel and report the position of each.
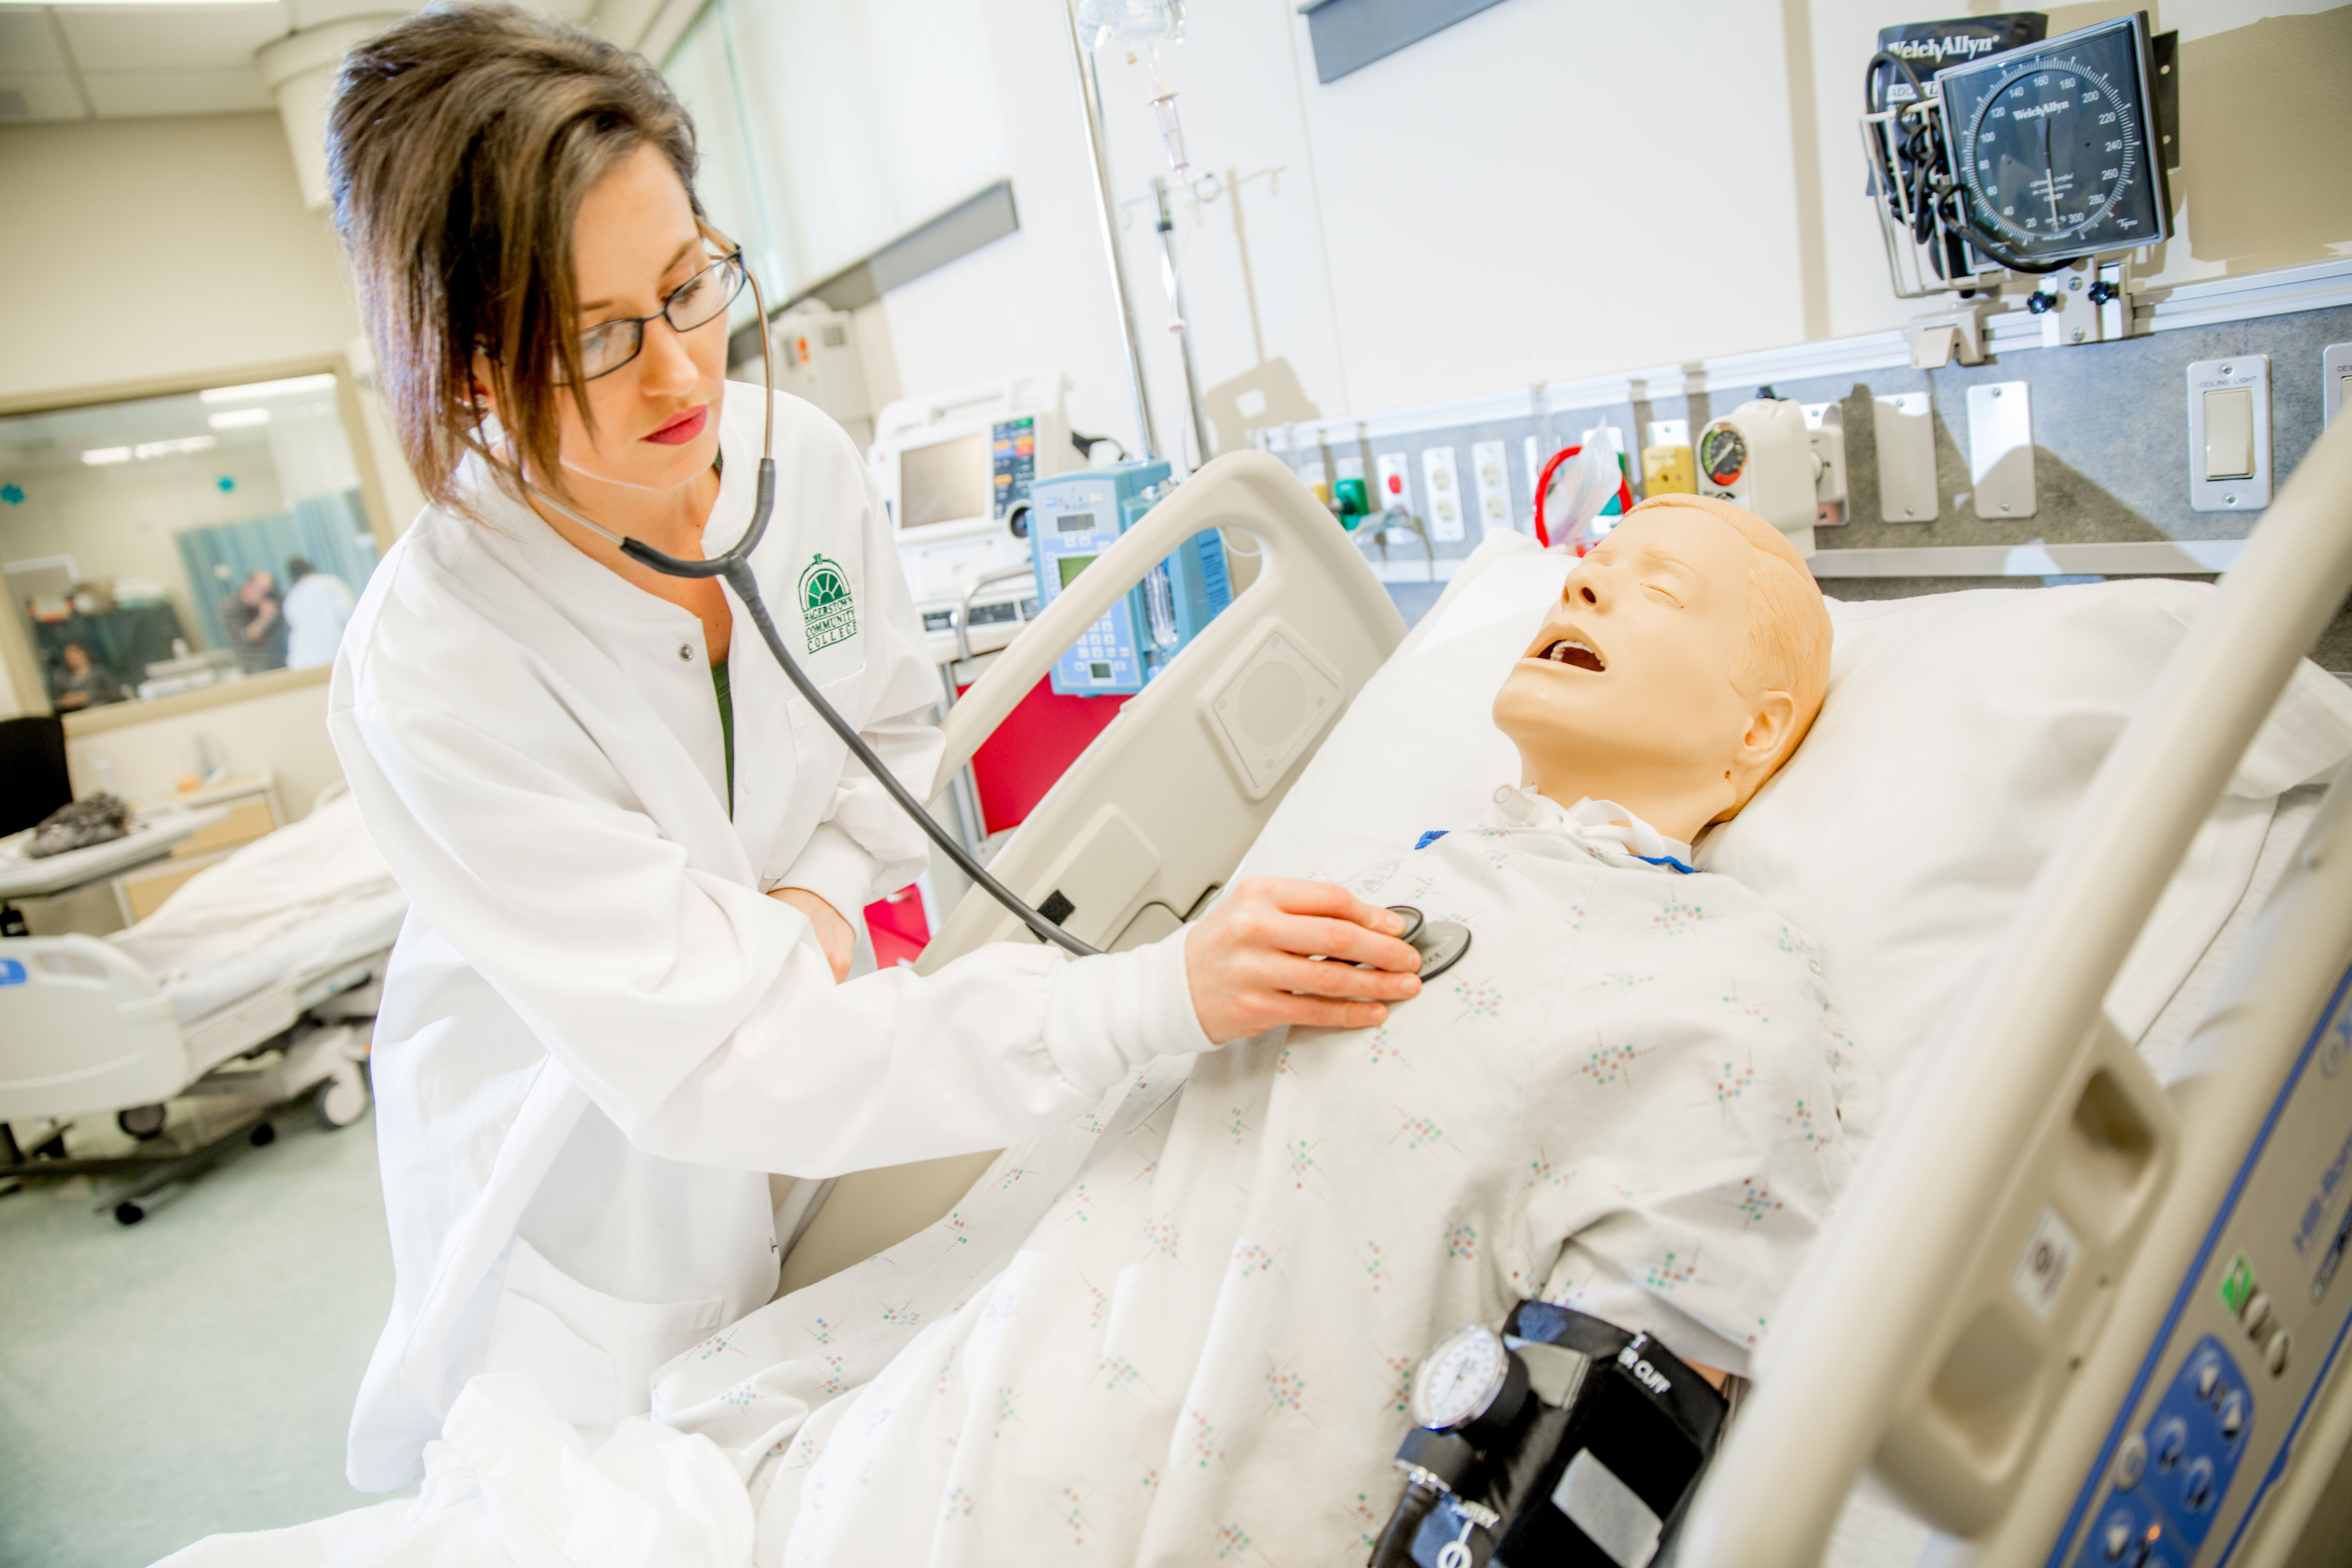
(654, 713)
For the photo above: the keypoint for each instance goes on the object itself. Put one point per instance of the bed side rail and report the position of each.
(1921, 1334)
(1156, 812)
(82, 1028)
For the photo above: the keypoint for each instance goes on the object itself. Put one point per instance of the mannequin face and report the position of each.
(1626, 692)
(634, 242)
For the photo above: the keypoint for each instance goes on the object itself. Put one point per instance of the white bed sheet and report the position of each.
(313, 894)
(854, 1321)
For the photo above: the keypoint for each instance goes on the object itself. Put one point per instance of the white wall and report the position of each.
(134, 249)
(285, 731)
(1541, 191)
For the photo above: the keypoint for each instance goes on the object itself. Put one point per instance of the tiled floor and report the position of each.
(194, 1372)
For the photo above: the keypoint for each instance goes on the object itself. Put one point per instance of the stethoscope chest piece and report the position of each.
(1441, 943)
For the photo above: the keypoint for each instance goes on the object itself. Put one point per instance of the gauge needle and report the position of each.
(2049, 169)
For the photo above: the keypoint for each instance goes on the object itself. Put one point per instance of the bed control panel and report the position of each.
(2256, 1329)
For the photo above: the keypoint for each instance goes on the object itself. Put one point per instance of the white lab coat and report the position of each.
(316, 610)
(597, 1034)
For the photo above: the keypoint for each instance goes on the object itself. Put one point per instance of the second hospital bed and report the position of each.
(2048, 1242)
(243, 986)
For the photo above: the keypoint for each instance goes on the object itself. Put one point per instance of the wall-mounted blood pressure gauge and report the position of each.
(2056, 147)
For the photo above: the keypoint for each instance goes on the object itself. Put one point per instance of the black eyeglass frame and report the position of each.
(743, 272)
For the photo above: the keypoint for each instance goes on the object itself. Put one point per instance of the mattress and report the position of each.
(305, 897)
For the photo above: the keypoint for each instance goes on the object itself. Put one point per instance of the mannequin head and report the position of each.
(1686, 658)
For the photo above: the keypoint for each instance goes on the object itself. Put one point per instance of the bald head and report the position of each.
(1786, 644)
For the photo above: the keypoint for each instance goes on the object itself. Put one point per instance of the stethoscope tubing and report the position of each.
(735, 567)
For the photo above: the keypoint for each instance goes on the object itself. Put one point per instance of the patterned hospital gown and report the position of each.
(1200, 1351)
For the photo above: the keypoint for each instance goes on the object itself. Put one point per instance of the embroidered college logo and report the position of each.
(828, 615)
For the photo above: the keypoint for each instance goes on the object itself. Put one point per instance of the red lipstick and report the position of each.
(683, 428)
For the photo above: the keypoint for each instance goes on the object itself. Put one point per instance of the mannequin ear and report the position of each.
(1771, 725)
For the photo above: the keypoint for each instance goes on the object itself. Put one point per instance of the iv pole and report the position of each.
(1098, 159)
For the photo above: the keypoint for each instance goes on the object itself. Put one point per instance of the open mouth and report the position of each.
(1574, 653)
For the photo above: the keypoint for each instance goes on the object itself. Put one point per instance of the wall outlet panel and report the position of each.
(1905, 431)
(2226, 392)
(2334, 381)
(1441, 487)
(1490, 470)
(2001, 448)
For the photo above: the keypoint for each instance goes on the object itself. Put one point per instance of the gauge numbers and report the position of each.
(2054, 147)
(1460, 1380)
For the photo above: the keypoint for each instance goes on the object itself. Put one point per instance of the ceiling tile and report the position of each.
(29, 97)
(127, 95)
(26, 43)
(141, 37)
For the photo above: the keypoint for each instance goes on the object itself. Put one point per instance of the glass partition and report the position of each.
(169, 544)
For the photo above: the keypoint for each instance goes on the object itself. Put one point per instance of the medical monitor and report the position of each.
(951, 467)
(946, 481)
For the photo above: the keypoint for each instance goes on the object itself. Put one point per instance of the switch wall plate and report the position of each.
(1442, 489)
(2246, 375)
(1904, 429)
(2001, 448)
(2335, 380)
(1490, 470)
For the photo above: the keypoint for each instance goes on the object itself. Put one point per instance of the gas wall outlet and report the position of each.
(1490, 466)
(1905, 434)
(1391, 486)
(1443, 487)
(2229, 434)
(1668, 467)
(2335, 380)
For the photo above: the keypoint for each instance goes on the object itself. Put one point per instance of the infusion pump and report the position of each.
(952, 467)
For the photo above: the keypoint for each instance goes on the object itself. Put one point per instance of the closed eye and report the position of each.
(1663, 593)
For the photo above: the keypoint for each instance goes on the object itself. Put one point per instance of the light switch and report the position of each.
(2229, 434)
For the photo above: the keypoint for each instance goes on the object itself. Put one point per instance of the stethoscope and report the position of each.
(735, 567)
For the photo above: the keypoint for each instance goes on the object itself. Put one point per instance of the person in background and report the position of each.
(84, 682)
(256, 627)
(317, 604)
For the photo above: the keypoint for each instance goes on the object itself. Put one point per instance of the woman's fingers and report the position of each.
(1251, 963)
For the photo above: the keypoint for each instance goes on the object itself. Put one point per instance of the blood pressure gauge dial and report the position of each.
(2054, 144)
(1470, 1384)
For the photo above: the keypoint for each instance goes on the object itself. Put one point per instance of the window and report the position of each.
(167, 543)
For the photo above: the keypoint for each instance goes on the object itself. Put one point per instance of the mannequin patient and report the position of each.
(1631, 1095)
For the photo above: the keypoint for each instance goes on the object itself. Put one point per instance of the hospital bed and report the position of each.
(252, 984)
(2027, 1321)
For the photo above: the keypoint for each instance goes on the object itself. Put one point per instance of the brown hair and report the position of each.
(461, 142)
(1786, 644)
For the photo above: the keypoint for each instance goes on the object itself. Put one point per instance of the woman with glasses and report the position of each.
(636, 860)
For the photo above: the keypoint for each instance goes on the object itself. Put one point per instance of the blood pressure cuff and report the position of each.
(1599, 1474)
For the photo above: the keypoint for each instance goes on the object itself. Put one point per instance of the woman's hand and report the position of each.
(1249, 963)
(835, 935)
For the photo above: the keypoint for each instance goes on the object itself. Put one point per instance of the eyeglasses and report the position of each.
(607, 346)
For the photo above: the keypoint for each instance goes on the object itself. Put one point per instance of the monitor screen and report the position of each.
(1071, 565)
(945, 482)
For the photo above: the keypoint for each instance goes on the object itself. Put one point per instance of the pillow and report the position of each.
(1958, 736)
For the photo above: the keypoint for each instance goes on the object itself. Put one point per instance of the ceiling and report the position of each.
(121, 59)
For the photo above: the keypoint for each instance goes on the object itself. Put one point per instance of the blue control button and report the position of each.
(2196, 1438)
(2131, 1534)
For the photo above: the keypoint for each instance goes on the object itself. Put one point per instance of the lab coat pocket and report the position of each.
(595, 1354)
